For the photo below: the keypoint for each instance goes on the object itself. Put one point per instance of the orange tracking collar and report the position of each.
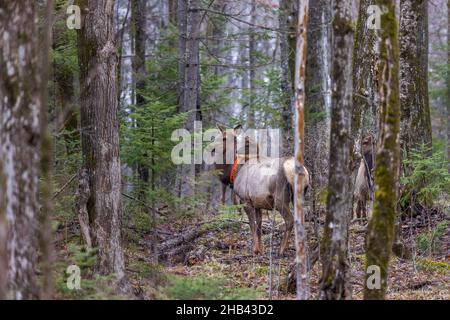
(233, 170)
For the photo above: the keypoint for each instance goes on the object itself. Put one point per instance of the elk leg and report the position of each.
(224, 190)
(289, 224)
(252, 222)
(258, 224)
(233, 194)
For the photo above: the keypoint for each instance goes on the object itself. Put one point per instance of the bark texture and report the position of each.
(334, 282)
(138, 30)
(252, 51)
(415, 110)
(20, 142)
(365, 68)
(448, 84)
(46, 174)
(317, 99)
(286, 20)
(365, 77)
(100, 132)
(380, 231)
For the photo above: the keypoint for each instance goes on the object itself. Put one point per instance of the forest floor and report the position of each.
(210, 258)
(222, 251)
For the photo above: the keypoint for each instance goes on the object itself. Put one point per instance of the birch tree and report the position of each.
(334, 282)
(299, 185)
(100, 133)
(380, 230)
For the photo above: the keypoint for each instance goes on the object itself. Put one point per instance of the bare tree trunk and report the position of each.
(380, 231)
(301, 243)
(252, 65)
(334, 282)
(448, 84)
(192, 61)
(189, 20)
(287, 20)
(182, 35)
(3, 237)
(20, 143)
(45, 229)
(100, 133)
(138, 16)
(415, 110)
(365, 63)
(173, 7)
(317, 96)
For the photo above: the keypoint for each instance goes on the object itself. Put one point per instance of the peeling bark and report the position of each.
(300, 172)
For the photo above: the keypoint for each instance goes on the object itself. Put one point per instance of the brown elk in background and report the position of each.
(266, 183)
(224, 168)
(364, 180)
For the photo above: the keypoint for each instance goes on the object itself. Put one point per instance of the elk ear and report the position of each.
(237, 130)
(221, 128)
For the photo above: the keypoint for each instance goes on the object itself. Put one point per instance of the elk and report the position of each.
(266, 183)
(221, 166)
(364, 180)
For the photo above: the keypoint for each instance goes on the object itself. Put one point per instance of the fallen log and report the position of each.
(180, 239)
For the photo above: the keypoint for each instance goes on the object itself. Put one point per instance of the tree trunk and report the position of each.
(380, 231)
(365, 62)
(189, 21)
(20, 143)
(334, 282)
(192, 62)
(415, 110)
(3, 237)
(287, 19)
(45, 214)
(448, 84)
(173, 12)
(317, 99)
(100, 136)
(138, 16)
(182, 34)
(252, 44)
(299, 187)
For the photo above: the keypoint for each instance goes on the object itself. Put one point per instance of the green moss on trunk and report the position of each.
(380, 233)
